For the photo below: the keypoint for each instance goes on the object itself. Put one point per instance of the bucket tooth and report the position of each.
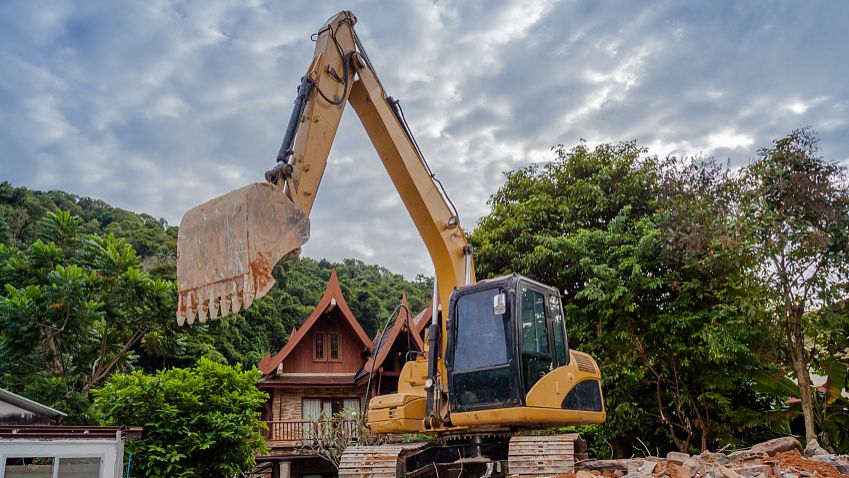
(225, 306)
(213, 306)
(235, 303)
(181, 310)
(202, 312)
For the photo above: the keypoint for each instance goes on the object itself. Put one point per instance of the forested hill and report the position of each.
(100, 280)
(22, 208)
(372, 290)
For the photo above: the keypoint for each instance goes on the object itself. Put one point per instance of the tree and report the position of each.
(199, 421)
(655, 284)
(71, 317)
(797, 207)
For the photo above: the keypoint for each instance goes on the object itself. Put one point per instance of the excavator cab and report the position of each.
(505, 334)
(507, 348)
(507, 365)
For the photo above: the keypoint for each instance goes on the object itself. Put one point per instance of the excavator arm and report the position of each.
(341, 73)
(228, 246)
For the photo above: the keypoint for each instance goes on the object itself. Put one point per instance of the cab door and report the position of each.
(482, 371)
(534, 333)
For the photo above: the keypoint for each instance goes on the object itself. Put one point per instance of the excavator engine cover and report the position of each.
(228, 246)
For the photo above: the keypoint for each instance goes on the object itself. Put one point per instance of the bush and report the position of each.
(200, 421)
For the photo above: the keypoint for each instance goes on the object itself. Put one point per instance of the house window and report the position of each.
(315, 408)
(319, 346)
(48, 467)
(334, 346)
(327, 344)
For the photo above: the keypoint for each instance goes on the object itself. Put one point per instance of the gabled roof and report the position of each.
(422, 320)
(384, 340)
(29, 405)
(332, 297)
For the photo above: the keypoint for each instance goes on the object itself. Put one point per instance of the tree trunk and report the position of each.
(53, 351)
(800, 365)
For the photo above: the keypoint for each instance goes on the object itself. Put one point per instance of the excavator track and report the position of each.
(537, 456)
(380, 461)
(545, 455)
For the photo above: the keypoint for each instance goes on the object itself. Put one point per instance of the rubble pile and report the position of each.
(778, 458)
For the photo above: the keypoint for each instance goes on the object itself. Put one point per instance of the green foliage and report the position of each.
(200, 421)
(27, 215)
(70, 317)
(655, 285)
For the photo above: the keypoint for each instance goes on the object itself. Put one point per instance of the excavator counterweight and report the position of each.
(227, 248)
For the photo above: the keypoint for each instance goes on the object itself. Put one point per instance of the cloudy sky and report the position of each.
(155, 106)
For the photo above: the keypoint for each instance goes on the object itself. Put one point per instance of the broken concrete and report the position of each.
(779, 458)
(778, 445)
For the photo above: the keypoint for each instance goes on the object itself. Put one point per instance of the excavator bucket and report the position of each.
(228, 246)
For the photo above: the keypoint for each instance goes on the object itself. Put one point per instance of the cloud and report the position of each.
(157, 106)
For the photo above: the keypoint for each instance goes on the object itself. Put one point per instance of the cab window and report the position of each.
(534, 330)
(481, 333)
(561, 354)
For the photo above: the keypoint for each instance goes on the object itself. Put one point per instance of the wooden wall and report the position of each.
(350, 353)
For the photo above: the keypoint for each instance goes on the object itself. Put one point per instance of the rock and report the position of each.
(726, 472)
(787, 474)
(678, 471)
(604, 465)
(677, 457)
(814, 448)
(752, 471)
(710, 457)
(777, 445)
(746, 455)
(584, 474)
(648, 467)
(839, 463)
(693, 464)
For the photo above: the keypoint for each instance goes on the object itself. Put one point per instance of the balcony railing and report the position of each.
(302, 432)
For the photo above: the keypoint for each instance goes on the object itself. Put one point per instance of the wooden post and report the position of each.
(283, 469)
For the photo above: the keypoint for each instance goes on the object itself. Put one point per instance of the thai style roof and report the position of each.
(384, 340)
(332, 298)
(422, 320)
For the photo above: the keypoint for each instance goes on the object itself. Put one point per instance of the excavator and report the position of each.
(496, 365)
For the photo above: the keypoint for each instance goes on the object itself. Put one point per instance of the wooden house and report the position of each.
(322, 370)
(313, 375)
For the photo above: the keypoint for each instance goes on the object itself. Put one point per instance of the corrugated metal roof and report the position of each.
(27, 404)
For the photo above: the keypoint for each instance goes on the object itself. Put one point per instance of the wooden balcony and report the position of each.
(302, 432)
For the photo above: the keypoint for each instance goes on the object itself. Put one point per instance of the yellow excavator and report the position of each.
(496, 361)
